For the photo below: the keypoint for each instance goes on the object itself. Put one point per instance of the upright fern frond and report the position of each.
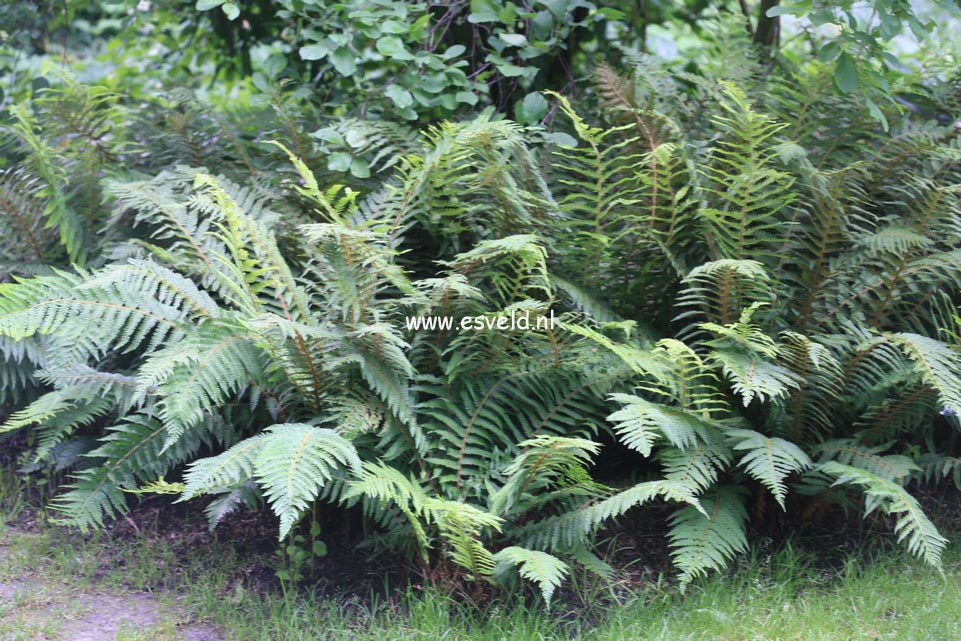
(745, 354)
(26, 244)
(718, 291)
(697, 467)
(747, 189)
(44, 163)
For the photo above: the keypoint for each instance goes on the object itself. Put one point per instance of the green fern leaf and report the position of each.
(294, 461)
(769, 460)
(697, 467)
(544, 569)
(131, 453)
(707, 539)
(891, 467)
(641, 422)
(912, 526)
(937, 363)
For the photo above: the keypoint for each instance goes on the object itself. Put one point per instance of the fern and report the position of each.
(937, 363)
(544, 569)
(707, 539)
(737, 294)
(27, 244)
(698, 467)
(43, 161)
(130, 454)
(290, 462)
(769, 460)
(743, 178)
(574, 529)
(201, 372)
(641, 422)
(294, 461)
(912, 527)
(871, 459)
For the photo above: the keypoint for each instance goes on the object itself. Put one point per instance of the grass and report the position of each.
(788, 595)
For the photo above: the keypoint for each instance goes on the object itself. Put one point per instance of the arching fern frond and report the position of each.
(937, 363)
(870, 458)
(291, 462)
(769, 460)
(294, 461)
(211, 364)
(706, 539)
(912, 526)
(574, 529)
(131, 453)
(640, 422)
(544, 569)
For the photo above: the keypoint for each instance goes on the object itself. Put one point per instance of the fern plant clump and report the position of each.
(757, 320)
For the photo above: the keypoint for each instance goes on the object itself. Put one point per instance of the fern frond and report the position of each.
(44, 162)
(212, 363)
(24, 239)
(294, 461)
(387, 485)
(56, 415)
(747, 189)
(462, 525)
(546, 462)
(891, 467)
(743, 351)
(640, 422)
(99, 316)
(719, 290)
(216, 474)
(230, 500)
(544, 569)
(938, 364)
(769, 460)
(130, 454)
(517, 266)
(912, 526)
(18, 362)
(935, 468)
(574, 529)
(707, 539)
(697, 467)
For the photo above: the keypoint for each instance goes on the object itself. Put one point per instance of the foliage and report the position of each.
(749, 301)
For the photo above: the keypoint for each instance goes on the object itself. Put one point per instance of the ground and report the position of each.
(160, 575)
(34, 607)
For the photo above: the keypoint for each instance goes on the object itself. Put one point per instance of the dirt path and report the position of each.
(34, 608)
